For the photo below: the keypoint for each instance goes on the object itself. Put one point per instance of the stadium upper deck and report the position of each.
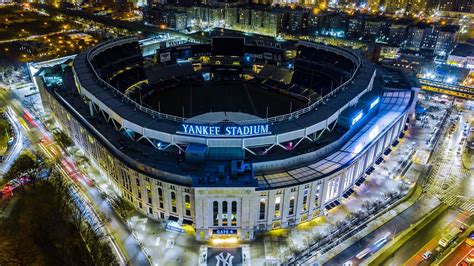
(164, 131)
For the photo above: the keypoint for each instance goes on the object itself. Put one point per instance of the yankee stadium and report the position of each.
(234, 135)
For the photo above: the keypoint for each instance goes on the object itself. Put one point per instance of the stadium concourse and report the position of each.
(330, 115)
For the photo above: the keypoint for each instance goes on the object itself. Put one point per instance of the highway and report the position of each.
(449, 181)
(119, 235)
(397, 225)
(462, 252)
(427, 239)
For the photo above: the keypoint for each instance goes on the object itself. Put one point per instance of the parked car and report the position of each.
(427, 255)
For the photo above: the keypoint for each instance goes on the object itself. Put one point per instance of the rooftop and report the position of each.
(463, 50)
(394, 103)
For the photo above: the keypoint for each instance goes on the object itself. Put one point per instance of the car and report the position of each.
(462, 228)
(426, 255)
(470, 239)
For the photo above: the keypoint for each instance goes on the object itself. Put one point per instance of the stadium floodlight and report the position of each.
(374, 103)
(357, 118)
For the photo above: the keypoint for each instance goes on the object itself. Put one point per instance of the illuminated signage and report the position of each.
(356, 118)
(227, 130)
(165, 57)
(374, 103)
(172, 226)
(224, 231)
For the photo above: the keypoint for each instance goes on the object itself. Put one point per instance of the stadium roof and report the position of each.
(393, 105)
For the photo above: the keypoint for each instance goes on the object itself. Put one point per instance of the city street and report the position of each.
(35, 131)
(18, 144)
(446, 182)
(269, 133)
(427, 238)
(395, 226)
(174, 247)
(461, 253)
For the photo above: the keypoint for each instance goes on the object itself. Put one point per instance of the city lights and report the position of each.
(357, 118)
(237, 133)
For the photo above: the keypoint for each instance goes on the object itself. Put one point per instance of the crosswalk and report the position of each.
(447, 175)
(467, 205)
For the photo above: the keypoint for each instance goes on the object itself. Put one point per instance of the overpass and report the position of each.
(447, 88)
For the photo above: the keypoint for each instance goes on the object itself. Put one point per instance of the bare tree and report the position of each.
(120, 205)
(367, 205)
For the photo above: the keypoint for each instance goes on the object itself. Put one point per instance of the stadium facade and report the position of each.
(224, 171)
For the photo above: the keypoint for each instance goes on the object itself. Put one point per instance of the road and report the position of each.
(34, 37)
(129, 25)
(458, 255)
(426, 239)
(19, 142)
(35, 130)
(397, 225)
(422, 133)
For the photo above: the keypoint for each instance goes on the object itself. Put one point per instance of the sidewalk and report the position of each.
(384, 180)
(162, 247)
(381, 219)
(119, 230)
(280, 245)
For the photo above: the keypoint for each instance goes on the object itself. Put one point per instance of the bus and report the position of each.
(363, 253)
(374, 247)
(448, 237)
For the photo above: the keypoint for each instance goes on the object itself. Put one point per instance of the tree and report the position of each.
(16, 249)
(120, 205)
(62, 139)
(24, 165)
(367, 205)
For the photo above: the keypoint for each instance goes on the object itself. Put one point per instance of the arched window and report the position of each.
(305, 200)
(187, 204)
(173, 202)
(215, 213)
(160, 197)
(262, 209)
(224, 213)
(234, 213)
(291, 210)
(277, 207)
